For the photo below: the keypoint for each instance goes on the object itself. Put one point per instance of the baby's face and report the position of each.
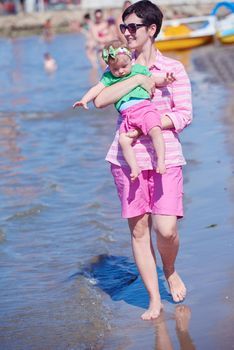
(121, 66)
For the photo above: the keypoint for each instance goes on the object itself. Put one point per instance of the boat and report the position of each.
(186, 33)
(225, 29)
(225, 25)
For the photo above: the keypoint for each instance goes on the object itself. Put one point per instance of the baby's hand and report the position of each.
(163, 80)
(80, 104)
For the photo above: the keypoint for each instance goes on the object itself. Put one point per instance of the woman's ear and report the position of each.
(152, 30)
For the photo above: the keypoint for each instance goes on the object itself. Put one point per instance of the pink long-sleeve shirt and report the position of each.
(174, 101)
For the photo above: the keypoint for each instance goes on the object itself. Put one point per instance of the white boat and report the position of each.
(225, 25)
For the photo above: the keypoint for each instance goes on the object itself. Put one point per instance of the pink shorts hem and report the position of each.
(179, 215)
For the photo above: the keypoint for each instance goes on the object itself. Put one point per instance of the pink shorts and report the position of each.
(150, 192)
(142, 115)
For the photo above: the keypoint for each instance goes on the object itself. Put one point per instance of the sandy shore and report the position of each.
(64, 20)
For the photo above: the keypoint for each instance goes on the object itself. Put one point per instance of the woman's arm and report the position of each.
(181, 114)
(113, 93)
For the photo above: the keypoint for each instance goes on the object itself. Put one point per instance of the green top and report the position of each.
(138, 92)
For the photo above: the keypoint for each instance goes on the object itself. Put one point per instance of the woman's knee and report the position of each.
(168, 233)
(165, 226)
(140, 227)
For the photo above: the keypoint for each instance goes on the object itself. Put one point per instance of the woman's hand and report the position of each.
(148, 83)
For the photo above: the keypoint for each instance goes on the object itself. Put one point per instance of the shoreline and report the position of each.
(68, 20)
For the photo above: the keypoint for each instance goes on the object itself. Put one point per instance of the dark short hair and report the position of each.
(148, 12)
(98, 10)
(87, 16)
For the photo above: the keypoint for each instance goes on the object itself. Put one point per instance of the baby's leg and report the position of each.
(159, 146)
(126, 144)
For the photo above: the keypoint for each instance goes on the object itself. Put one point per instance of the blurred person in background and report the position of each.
(50, 64)
(90, 44)
(102, 32)
(48, 30)
(121, 37)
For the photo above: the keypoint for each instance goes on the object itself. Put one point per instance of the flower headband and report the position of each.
(111, 52)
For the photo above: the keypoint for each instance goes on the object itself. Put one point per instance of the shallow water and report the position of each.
(67, 275)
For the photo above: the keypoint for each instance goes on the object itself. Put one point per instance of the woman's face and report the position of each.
(138, 39)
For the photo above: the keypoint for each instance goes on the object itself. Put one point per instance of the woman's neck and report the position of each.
(146, 55)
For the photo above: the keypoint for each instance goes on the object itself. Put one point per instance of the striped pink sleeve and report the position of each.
(181, 113)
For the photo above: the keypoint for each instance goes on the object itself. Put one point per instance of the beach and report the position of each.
(68, 18)
(68, 280)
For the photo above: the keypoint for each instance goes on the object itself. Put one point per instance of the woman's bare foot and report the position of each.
(153, 311)
(177, 287)
(135, 172)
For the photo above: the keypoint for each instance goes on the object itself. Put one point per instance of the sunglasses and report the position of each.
(131, 27)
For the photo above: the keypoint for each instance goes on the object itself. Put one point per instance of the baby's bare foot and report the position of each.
(153, 311)
(177, 287)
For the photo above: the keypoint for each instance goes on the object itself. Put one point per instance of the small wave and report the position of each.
(40, 115)
(107, 238)
(2, 236)
(94, 205)
(99, 225)
(29, 212)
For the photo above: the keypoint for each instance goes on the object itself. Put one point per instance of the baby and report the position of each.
(139, 115)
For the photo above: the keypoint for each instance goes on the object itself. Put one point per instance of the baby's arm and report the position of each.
(163, 79)
(89, 96)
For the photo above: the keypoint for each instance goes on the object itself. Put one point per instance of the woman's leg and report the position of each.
(168, 246)
(126, 144)
(144, 255)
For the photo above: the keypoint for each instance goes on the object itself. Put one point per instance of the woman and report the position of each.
(153, 198)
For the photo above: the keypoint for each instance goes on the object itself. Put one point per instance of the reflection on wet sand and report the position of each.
(182, 317)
